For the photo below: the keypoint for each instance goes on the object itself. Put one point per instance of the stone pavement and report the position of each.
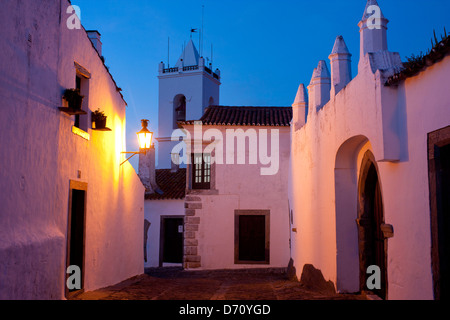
(177, 284)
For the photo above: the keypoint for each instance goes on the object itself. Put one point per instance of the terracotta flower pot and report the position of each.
(73, 98)
(100, 123)
(76, 103)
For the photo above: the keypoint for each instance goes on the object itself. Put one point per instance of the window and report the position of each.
(201, 171)
(82, 83)
(78, 86)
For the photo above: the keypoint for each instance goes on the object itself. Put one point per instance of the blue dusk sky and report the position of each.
(263, 48)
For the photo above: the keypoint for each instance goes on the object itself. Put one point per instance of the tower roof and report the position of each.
(340, 46)
(190, 55)
(366, 14)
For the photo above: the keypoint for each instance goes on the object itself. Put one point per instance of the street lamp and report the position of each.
(145, 136)
(144, 139)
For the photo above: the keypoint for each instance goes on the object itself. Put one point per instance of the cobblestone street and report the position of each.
(176, 284)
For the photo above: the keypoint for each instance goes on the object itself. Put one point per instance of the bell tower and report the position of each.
(185, 91)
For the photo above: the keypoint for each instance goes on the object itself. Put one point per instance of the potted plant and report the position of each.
(74, 98)
(99, 118)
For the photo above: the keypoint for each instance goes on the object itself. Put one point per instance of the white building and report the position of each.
(197, 226)
(65, 197)
(365, 165)
(237, 212)
(185, 90)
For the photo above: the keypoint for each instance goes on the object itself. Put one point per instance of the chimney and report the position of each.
(175, 162)
(373, 30)
(299, 107)
(95, 36)
(319, 88)
(161, 67)
(341, 66)
(147, 172)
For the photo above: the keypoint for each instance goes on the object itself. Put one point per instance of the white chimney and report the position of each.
(319, 88)
(175, 162)
(147, 172)
(299, 107)
(95, 36)
(341, 66)
(373, 30)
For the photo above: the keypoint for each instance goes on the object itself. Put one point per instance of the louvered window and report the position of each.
(201, 171)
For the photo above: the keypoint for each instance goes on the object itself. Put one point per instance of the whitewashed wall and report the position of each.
(326, 153)
(242, 187)
(40, 155)
(154, 209)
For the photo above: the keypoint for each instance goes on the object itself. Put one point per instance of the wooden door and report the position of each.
(172, 240)
(76, 233)
(439, 184)
(252, 240)
(372, 248)
(443, 220)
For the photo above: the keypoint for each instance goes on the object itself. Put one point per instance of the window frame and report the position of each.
(82, 82)
(205, 171)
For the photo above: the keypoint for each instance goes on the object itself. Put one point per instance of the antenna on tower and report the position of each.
(168, 52)
(201, 32)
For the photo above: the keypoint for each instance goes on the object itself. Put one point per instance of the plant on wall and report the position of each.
(99, 118)
(74, 98)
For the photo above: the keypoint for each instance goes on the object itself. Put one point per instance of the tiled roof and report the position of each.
(411, 69)
(172, 185)
(246, 116)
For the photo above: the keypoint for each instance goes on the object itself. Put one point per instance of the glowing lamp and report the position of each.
(145, 136)
(145, 141)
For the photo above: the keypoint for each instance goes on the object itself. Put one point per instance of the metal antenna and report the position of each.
(201, 36)
(168, 52)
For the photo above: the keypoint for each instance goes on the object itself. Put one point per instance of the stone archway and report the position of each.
(371, 239)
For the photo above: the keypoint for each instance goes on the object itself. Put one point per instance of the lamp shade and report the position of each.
(145, 136)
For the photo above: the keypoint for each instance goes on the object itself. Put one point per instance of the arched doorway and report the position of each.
(372, 243)
(346, 201)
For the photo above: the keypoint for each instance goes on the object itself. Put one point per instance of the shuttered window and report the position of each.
(201, 171)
